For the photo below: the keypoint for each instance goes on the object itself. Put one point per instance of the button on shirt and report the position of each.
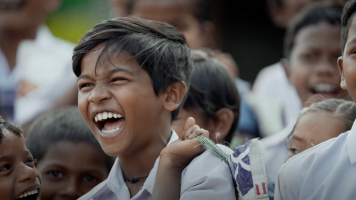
(206, 177)
(326, 171)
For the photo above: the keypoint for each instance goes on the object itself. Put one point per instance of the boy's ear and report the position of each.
(341, 69)
(174, 96)
(277, 15)
(52, 5)
(285, 64)
(224, 121)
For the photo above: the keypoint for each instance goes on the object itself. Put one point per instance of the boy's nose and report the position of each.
(72, 189)
(326, 68)
(28, 173)
(98, 94)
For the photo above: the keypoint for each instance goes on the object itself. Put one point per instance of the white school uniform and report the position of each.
(206, 177)
(326, 171)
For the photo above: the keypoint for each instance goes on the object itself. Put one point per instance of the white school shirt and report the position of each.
(326, 171)
(206, 177)
(47, 63)
(272, 83)
(275, 149)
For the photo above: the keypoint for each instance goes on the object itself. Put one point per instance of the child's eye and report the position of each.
(294, 151)
(84, 85)
(5, 168)
(31, 161)
(118, 79)
(90, 178)
(56, 174)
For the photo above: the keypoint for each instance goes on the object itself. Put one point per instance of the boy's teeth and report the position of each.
(27, 194)
(324, 88)
(110, 131)
(106, 115)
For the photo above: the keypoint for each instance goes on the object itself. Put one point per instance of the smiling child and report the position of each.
(19, 178)
(327, 171)
(133, 76)
(70, 159)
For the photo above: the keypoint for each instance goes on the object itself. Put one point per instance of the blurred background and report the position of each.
(244, 29)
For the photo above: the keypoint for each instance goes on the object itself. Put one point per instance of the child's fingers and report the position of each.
(188, 124)
(189, 132)
(201, 131)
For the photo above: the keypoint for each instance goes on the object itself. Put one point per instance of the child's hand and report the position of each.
(179, 154)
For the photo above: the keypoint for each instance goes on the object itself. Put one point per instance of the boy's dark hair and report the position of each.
(312, 15)
(4, 125)
(65, 124)
(349, 10)
(157, 47)
(212, 88)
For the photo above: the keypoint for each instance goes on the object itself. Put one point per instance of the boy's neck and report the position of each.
(9, 43)
(141, 163)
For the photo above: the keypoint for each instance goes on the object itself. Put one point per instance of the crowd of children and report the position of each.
(160, 109)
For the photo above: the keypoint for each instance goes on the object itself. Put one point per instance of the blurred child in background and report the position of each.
(33, 61)
(310, 65)
(271, 82)
(19, 176)
(327, 171)
(69, 158)
(212, 100)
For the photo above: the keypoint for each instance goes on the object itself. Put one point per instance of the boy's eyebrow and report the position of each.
(110, 72)
(4, 158)
(297, 138)
(352, 41)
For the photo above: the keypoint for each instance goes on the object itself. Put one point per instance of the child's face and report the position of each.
(313, 62)
(69, 170)
(347, 63)
(312, 129)
(176, 13)
(124, 97)
(18, 174)
(24, 15)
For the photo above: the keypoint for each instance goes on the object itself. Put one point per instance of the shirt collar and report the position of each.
(350, 144)
(116, 183)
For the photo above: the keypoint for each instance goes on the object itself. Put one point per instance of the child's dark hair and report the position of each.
(157, 47)
(4, 125)
(64, 124)
(212, 88)
(312, 15)
(349, 10)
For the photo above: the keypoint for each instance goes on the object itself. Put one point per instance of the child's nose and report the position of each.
(28, 173)
(98, 94)
(326, 68)
(72, 189)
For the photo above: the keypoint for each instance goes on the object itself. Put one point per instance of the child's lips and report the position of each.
(33, 192)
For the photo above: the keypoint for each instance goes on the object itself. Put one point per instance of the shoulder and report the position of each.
(312, 165)
(208, 177)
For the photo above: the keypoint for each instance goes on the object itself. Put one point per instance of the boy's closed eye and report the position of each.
(55, 174)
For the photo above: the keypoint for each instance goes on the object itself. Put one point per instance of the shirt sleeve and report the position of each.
(207, 177)
(281, 190)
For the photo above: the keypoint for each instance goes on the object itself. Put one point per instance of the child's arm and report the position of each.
(174, 158)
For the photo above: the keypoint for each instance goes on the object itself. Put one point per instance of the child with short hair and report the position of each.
(18, 175)
(320, 122)
(212, 100)
(69, 158)
(133, 76)
(310, 65)
(327, 170)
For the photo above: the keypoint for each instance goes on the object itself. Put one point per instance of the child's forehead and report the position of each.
(352, 28)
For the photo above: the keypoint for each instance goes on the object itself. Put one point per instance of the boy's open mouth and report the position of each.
(325, 89)
(9, 5)
(109, 122)
(30, 195)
